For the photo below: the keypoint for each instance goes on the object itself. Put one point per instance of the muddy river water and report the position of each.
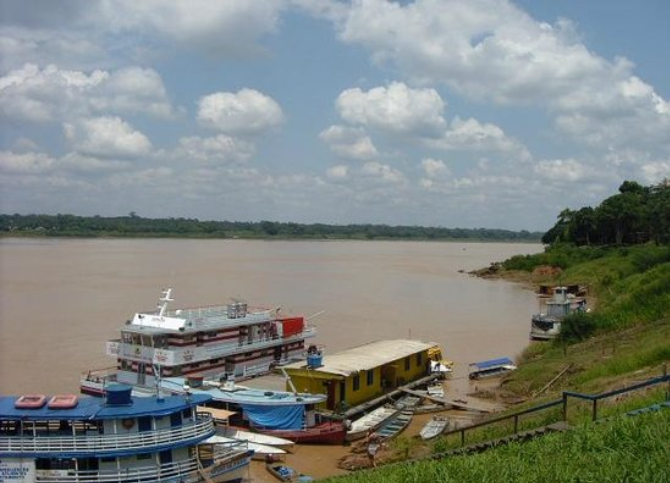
(60, 300)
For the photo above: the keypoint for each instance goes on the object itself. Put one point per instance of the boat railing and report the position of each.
(96, 443)
(168, 472)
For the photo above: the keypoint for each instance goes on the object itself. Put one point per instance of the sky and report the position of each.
(449, 113)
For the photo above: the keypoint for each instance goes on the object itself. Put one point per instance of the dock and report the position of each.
(459, 404)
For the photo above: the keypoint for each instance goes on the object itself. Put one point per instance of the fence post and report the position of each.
(516, 424)
(565, 408)
(595, 409)
(462, 437)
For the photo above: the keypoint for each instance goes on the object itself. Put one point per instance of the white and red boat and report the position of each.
(215, 342)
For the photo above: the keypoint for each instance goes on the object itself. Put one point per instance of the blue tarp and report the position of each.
(275, 417)
(492, 363)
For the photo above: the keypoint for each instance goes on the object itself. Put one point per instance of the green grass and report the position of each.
(626, 449)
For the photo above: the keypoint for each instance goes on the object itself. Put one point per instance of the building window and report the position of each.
(357, 382)
(371, 377)
(407, 363)
(419, 359)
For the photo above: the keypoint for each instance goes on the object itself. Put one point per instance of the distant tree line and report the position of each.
(637, 214)
(133, 225)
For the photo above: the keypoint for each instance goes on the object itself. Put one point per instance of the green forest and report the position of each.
(637, 214)
(137, 226)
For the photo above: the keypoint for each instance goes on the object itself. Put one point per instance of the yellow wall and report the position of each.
(316, 382)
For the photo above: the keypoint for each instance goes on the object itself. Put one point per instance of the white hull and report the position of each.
(261, 451)
(263, 439)
(370, 422)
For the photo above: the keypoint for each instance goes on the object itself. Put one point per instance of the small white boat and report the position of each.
(258, 438)
(370, 422)
(261, 451)
(434, 428)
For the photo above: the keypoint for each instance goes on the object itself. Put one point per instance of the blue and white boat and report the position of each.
(491, 368)
(68, 439)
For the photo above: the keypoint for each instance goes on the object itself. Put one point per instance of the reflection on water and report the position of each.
(60, 300)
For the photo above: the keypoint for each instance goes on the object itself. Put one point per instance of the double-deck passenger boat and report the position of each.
(69, 439)
(215, 342)
(547, 325)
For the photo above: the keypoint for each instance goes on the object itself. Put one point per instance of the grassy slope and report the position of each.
(631, 343)
(627, 449)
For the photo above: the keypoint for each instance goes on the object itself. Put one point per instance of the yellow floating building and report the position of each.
(357, 375)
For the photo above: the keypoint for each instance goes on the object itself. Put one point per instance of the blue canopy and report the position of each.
(492, 363)
(275, 417)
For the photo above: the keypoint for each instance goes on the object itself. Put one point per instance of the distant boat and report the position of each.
(491, 368)
(434, 428)
(370, 422)
(285, 473)
(396, 425)
(547, 325)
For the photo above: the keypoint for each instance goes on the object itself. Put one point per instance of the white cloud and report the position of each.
(395, 109)
(491, 50)
(383, 172)
(216, 149)
(245, 112)
(471, 135)
(338, 172)
(25, 163)
(562, 170)
(655, 172)
(53, 95)
(214, 28)
(106, 137)
(434, 168)
(349, 142)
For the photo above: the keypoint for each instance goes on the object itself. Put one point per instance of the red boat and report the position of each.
(330, 432)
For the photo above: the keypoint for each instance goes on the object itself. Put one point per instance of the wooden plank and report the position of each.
(448, 402)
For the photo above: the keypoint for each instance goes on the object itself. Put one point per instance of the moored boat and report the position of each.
(257, 438)
(396, 425)
(213, 342)
(286, 473)
(491, 368)
(261, 451)
(547, 325)
(433, 428)
(119, 438)
(327, 432)
(371, 421)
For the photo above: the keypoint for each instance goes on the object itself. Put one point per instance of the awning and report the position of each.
(217, 414)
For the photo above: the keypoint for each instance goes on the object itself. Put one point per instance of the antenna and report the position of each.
(163, 301)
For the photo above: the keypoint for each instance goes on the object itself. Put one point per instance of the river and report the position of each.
(61, 299)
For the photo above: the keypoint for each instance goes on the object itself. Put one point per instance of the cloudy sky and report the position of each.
(472, 113)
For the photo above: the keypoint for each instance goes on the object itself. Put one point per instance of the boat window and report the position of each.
(371, 377)
(143, 456)
(407, 363)
(137, 339)
(419, 359)
(357, 382)
(188, 413)
(127, 337)
(146, 341)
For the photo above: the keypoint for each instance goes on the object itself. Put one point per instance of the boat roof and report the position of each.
(492, 363)
(368, 356)
(245, 395)
(95, 408)
(185, 320)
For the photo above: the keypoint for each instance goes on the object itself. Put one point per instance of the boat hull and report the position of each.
(325, 433)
